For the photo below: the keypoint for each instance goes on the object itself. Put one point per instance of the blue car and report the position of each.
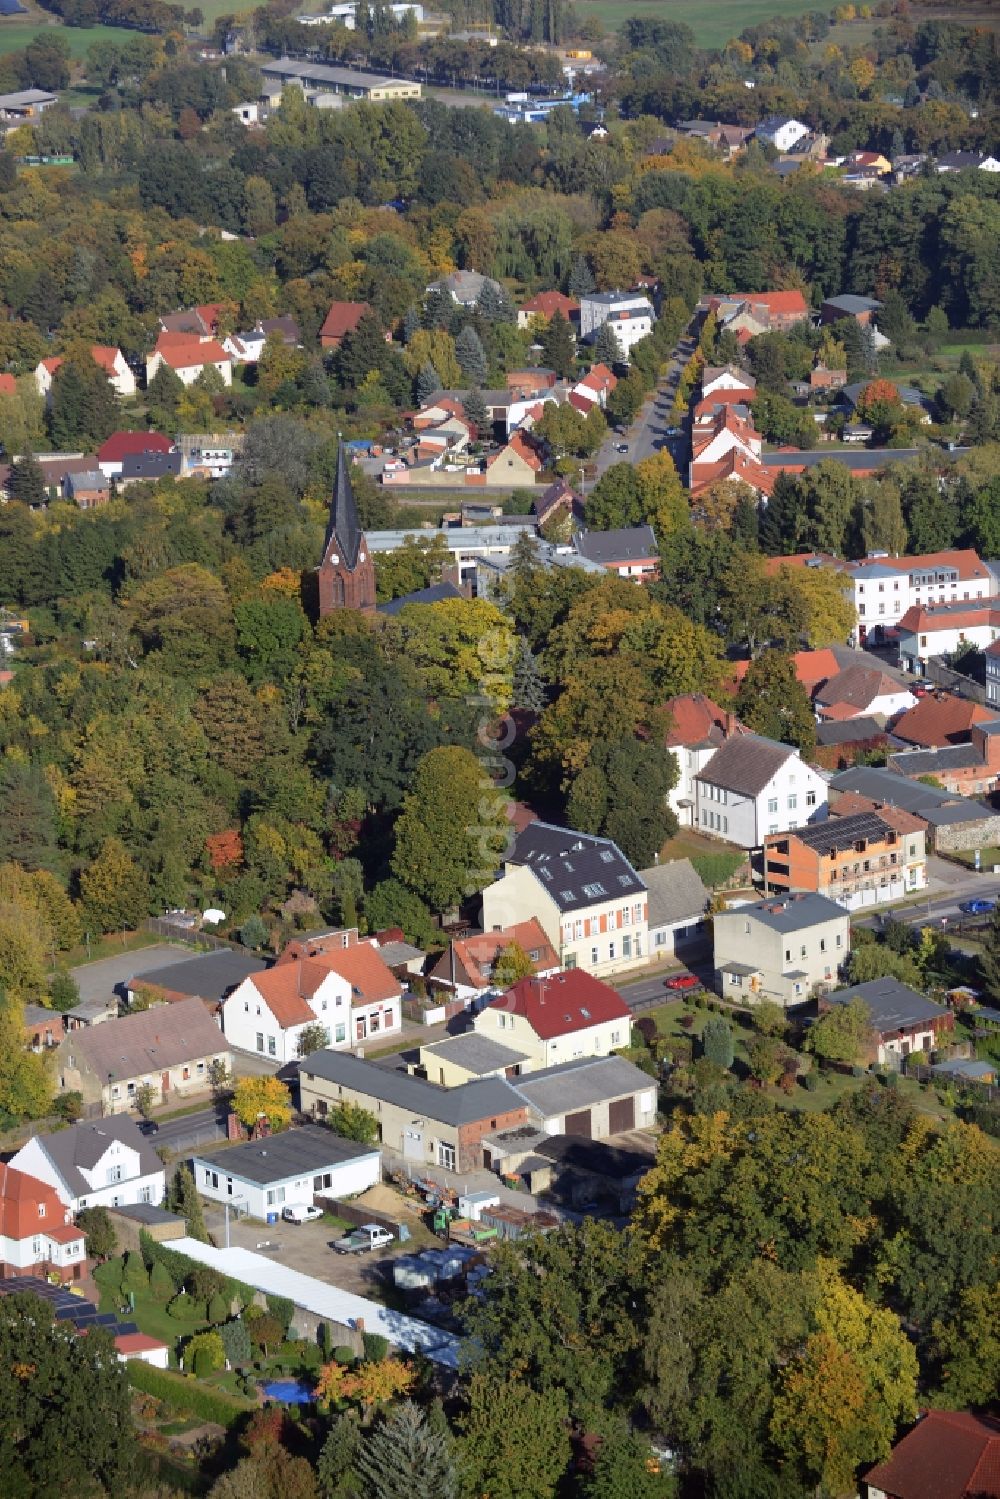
(978, 907)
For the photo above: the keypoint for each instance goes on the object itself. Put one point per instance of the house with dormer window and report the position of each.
(107, 1163)
(557, 1019)
(589, 900)
(37, 1236)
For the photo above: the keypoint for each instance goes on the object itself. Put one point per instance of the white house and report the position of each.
(261, 1177)
(188, 355)
(552, 1020)
(993, 676)
(37, 1236)
(350, 992)
(698, 727)
(862, 692)
(718, 380)
(587, 897)
(945, 628)
(107, 1163)
(781, 132)
(752, 786)
(109, 359)
(783, 949)
(630, 314)
(346, 14)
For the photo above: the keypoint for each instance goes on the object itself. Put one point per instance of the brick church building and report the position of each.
(347, 572)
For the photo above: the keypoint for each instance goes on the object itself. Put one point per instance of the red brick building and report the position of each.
(347, 572)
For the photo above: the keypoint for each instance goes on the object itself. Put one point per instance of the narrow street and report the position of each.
(648, 433)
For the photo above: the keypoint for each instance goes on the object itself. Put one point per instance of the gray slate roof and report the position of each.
(580, 1084)
(675, 893)
(577, 869)
(474, 1052)
(432, 595)
(628, 543)
(466, 1104)
(137, 1045)
(894, 790)
(745, 764)
(851, 730)
(923, 762)
(295, 1152)
(850, 304)
(788, 913)
(83, 1145)
(872, 459)
(212, 976)
(891, 1003)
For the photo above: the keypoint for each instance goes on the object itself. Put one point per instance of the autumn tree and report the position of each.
(512, 963)
(113, 889)
(353, 1122)
(843, 1034)
(773, 703)
(262, 1098)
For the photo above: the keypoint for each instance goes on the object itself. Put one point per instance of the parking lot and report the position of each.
(99, 980)
(308, 1247)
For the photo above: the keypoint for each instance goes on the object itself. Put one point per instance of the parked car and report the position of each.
(149, 1127)
(368, 1236)
(301, 1212)
(675, 431)
(622, 447)
(978, 907)
(682, 981)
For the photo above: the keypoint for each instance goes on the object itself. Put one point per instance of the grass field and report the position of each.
(14, 35)
(713, 22)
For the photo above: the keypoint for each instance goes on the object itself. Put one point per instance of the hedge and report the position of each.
(179, 1266)
(187, 1396)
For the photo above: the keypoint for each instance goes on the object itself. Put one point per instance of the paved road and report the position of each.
(648, 432)
(936, 907)
(191, 1131)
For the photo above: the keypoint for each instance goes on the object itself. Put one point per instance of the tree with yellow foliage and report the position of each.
(262, 1099)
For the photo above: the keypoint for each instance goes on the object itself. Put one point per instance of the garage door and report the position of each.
(579, 1124)
(621, 1114)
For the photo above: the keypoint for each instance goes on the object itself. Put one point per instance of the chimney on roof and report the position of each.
(728, 724)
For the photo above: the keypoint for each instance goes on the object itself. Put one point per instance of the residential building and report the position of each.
(725, 384)
(569, 1014)
(45, 1028)
(112, 453)
(967, 161)
(587, 897)
(349, 991)
(758, 312)
(149, 468)
(343, 318)
(345, 14)
(941, 718)
(209, 977)
(545, 305)
(466, 287)
(947, 1455)
(698, 726)
(785, 948)
(260, 1177)
(862, 860)
(170, 1047)
(629, 552)
(107, 358)
(467, 1058)
(108, 1163)
(729, 139)
(591, 1098)
(754, 786)
(346, 573)
(953, 822)
(928, 630)
(841, 742)
(189, 357)
(781, 131)
(320, 82)
(862, 309)
(425, 1124)
(860, 691)
(195, 322)
(971, 769)
(466, 966)
(517, 464)
(630, 314)
(37, 1236)
(909, 395)
(593, 390)
(903, 1021)
(560, 502)
(678, 901)
(89, 489)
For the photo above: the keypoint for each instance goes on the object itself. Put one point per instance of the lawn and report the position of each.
(150, 1315)
(988, 857)
(713, 22)
(109, 947)
(15, 35)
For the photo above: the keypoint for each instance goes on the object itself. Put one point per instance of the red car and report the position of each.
(682, 981)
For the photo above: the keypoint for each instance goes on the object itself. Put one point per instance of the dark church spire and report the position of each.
(343, 532)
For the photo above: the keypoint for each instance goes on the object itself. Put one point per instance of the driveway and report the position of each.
(99, 980)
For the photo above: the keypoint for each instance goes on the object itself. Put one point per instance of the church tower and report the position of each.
(346, 573)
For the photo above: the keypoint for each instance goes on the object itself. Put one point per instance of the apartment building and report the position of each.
(858, 861)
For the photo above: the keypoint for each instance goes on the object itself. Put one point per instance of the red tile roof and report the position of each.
(343, 318)
(780, 302)
(929, 618)
(182, 352)
(367, 973)
(811, 667)
(475, 955)
(947, 1455)
(518, 444)
(734, 465)
(600, 378)
(8, 385)
(124, 444)
(137, 1343)
(287, 988)
(566, 1002)
(696, 719)
(548, 302)
(29, 1206)
(940, 720)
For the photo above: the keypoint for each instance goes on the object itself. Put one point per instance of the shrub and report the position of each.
(717, 1041)
(186, 1396)
(181, 1308)
(344, 1355)
(218, 1309)
(786, 1082)
(811, 1080)
(283, 1309)
(646, 1026)
(160, 1283)
(236, 1342)
(687, 1021)
(134, 1274)
(204, 1353)
(892, 1079)
(376, 1347)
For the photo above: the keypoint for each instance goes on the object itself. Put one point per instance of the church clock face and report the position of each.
(334, 558)
(361, 557)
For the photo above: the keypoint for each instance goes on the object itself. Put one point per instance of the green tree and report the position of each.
(113, 889)
(471, 356)
(183, 1199)
(843, 1034)
(64, 992)
(512, 964)
(989, 957)
(559, 346)
(101, 1238)
(27, 482)
(452, 829)
(390, 903)
(607, 349)
(335, 1470)
(83, 410)
(428, 383)
(204, 1353)
(717, 1041)
(515, 1440)
(26, 1083)
(772, 702)
(313, 1038)
(874, 960)
(353, 1122)
(581, 280)
(145, 1099)
(236, 1342)
(406, 1455)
